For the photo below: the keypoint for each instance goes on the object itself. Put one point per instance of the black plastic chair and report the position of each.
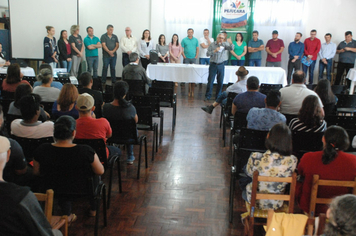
(304, 142)
(227, 115)
(163, 84)
(225, 108)
(238, 123)
(346, 122)
(10, 118)
(47, 106)
(136, 88)
(289, 117)
(30, 79)
(338, 89)
(311, 86)
(145, 123)
(154, 103)
(29, 145)
(124, 132)
(99, 147)
(346, 104)
(5, 103)
(266, 88)
(7, 95)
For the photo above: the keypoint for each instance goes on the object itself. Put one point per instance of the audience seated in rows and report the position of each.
(46, 92)
(266, 118)
(310, 117)
(65, 104)
(326, 95)
(251, 98)
(62, 164)
(330, 164)
(21, 91)
(277, 161)
(292, 97)
(120, 109)
(21, 214)
(238, 87)
(29, 126)
(86, 81)
(91, 128)
(54, 84)
(13, 78)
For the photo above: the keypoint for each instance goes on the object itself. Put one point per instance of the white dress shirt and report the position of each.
(327, 51)
(128, 44)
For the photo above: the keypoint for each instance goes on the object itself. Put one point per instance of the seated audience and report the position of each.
(86, 81)
(331, 164)
(29, 126)
(310, 117)
(65, 104)
(266, 118)
(292, 97)
(13, 78)
(21, 214)
(120, 109)
(46, 92)
(326, 95)
(62, 165)
(277, 161)
(238, 87)
(54, 84)
(21, 91)
(251, 98)
(91, 128)
(134, 71)
(342, 216)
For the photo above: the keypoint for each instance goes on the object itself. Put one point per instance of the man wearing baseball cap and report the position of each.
(274, 49)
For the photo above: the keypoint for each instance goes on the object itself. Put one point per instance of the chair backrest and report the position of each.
(166, 96)
(229, 100)
(123, 130)
(289, 117)
(29, 145)
(346, 101)
(311, 86)
(273, 196)
(338, 89)
(99, 147)
(163, 84)
(5, 103)
(30, 79)
(304, 142)
(47, 198)
(7, 95)
(136, 87)
(10, 118)
(47, 106)
(346, 122)
(144, 114)
(239, 121)
(265, 88)
(143, 101)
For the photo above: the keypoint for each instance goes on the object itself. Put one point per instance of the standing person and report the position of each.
(92, 43)
(50, 47)
(274, 49)
(162, 49)
(255, 46)
(190, 53)
(3, 61)
(77, 49)
(175, 49)
(226, 54)
(144, 48)
(128, 45)
(216, 52)
(204, 44)
(312, 47)
(347, 51)
(239, 51)
(326, 55)
(110, 43)
(65, 51)
(295, 50)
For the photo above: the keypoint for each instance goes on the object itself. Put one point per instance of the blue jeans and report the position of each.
(66, 64)
(125, 59)
(113, 151)
(217, 70)
(130, 154)
(237, 62)
(112, 62)
(226, 62)
(328, 69)
(222, 98)
(204, 61)
(311, 71)
(93, 65)
(254, 62)
(189, 61)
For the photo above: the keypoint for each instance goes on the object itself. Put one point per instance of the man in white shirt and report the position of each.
(292, 97)
(326, 54)
(128, 46)
(204, 44)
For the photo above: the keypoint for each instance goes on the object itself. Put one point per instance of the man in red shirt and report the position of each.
(274, 49)
(91, 128)
(312, 47)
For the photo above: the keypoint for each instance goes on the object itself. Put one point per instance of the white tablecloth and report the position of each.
(352, 76)
(193, 73)
(26, 71)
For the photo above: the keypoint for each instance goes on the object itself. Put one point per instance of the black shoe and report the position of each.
(208, 109)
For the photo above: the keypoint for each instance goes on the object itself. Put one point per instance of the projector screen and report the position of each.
(28, 21)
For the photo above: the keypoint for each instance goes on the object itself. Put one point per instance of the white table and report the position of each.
(194, 73)
(26, 71)
(352, 76)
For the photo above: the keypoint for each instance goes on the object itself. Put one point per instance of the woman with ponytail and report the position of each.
(332, 163)
(120, 109)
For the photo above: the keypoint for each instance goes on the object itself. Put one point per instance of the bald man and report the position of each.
(128, 46)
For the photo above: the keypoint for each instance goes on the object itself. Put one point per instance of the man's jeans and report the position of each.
(254, 62)
(125, 59)
(93, 65)
(112, 62)
(328, 66)
(222, 98)
(215, 70)
(204, 61)
(311, 71)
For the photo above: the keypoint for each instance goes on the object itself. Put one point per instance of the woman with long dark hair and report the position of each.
(332, 163)
(144, 48)
(175, 49)
(239, 52)
(65, 51)
(310, 117)
(326, 95)
(13, 78)
(162, 49)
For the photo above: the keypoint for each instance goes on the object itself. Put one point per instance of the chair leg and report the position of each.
(119, 174)
(224, 131)
(174, 116)
(139, 161)
(157, 138)
(96, 227)
(161, 127)
(146, 160)
(110, 185)
(221, 114)
(104, 207)
(153, 144)
(232, 193)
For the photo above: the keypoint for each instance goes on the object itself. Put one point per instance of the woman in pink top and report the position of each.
(175, 50)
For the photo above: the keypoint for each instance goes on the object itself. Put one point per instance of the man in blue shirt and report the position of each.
(326, 55)
(295, 51)
(92, 43)
(255, 46)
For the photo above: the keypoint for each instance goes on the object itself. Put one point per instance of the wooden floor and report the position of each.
(185, 191)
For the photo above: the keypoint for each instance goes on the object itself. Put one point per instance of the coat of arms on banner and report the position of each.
(234, 14)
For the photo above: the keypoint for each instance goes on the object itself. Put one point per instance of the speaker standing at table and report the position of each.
(216, 52)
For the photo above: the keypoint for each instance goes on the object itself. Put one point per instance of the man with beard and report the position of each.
(295, 50)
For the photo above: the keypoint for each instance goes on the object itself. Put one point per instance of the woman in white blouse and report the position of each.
(3, 61)
(146, 45)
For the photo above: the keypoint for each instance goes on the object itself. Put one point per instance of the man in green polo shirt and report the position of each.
(92, 43)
